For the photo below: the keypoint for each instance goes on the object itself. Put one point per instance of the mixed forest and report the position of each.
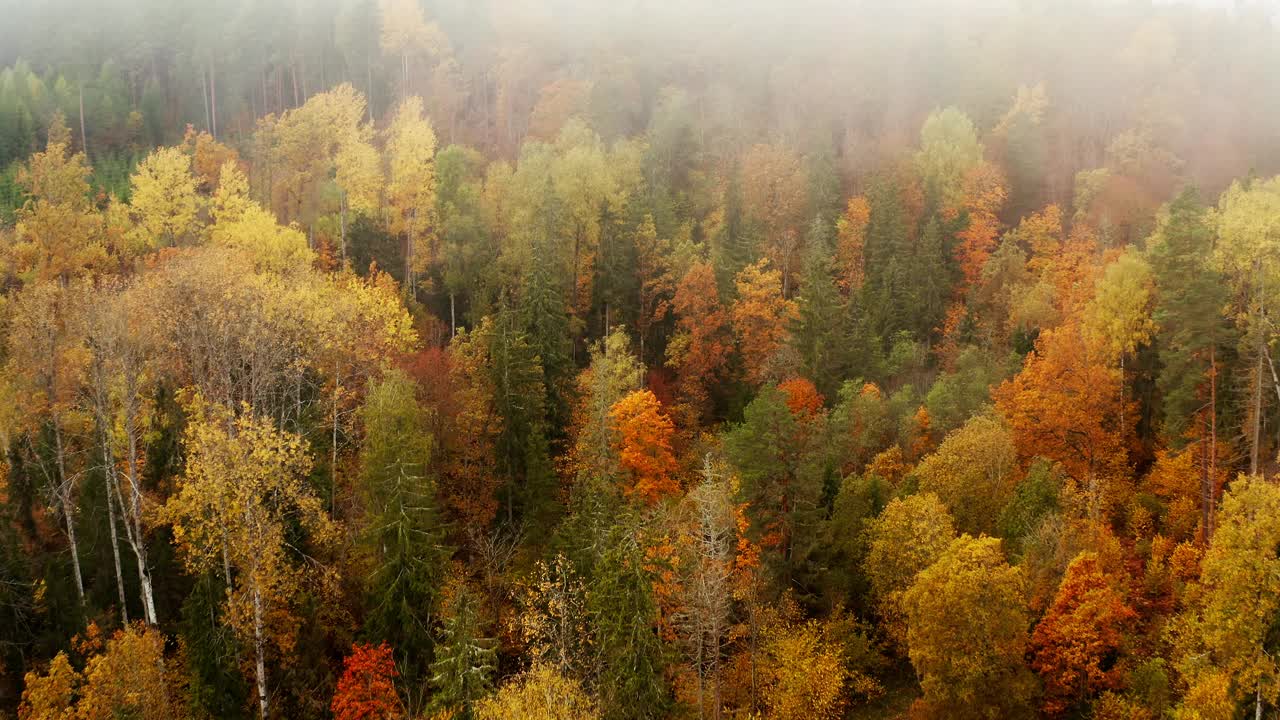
(555, 360)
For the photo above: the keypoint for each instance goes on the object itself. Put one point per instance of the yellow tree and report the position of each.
(243, 491)
(973, 472)
(50, 696)
(1225, 640)
(123, 375)
(358, 175)
(411, 188)
(614, 372)
(47, 366)
(967, 632)
(803, 673)
(541, 693)
(760, 318)
(406, 34)
(1119, 317)
(163, 197)
(907, 537)
(324, 141)
(1249, 242)
(58, 234)
(127, 679)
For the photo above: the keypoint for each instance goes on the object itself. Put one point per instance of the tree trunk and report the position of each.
(342, 234)
(369, 80)
(213, 100)
(133, 521)
(453, 317)
(259, 645)
(108, 475)
(333, 453)
(1255, 425)
(204, 95)
(68, 511)
(84, 139)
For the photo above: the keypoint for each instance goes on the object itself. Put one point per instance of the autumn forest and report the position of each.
(570, 360)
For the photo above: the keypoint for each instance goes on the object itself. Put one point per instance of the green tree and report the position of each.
(403, 534)
(465, 661)
(820, 336)
(973, 472)
(949, 149)
(623, 610)
(780, 481)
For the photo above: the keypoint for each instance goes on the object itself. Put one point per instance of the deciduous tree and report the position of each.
(967, 633)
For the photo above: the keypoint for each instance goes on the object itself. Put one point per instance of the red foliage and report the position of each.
(1076, 642)
(366, 690)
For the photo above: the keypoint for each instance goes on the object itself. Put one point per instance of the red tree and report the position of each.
(1076, 642)
(366, 690)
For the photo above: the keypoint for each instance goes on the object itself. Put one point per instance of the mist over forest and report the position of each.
(564, 360)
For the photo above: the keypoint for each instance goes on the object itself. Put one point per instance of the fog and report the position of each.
(856, 78)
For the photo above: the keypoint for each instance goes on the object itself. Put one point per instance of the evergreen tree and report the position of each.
(734, 246)
(1189, 300)
(465, 661)
(544, 319)
(620, 599)
(780, 465)
(519, 399)
(887, 252)
(404, 531)
(820, 335)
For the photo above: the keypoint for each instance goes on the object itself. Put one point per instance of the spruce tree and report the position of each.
(820, 336)
(1189, 300)
(404, 533)
(465, 661)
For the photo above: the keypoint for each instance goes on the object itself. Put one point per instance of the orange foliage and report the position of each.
(644, 435)
(1081, 632)
(984, 194)
(1065, 406)
(456, 385)
(366, 690)
(889, 464)
(803, 399)
(703, 347)
(921, 438)
(851, 235)
(760, 318)
(948, 348)
(207, 157)
(1074, 270)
